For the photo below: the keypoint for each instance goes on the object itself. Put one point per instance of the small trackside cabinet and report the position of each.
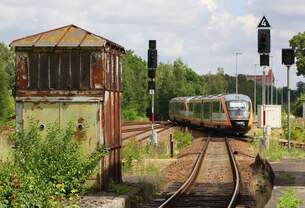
(69, 76)
(273, 116)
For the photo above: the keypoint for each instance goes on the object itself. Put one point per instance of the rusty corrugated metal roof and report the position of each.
(67, 36)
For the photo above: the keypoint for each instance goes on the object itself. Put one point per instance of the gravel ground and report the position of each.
(245, 158)
(180, 170)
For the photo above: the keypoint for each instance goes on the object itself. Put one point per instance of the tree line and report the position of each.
(176, 79)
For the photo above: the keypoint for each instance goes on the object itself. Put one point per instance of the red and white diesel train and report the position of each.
(232, 112)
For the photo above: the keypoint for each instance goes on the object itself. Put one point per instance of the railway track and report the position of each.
(141, 130)
(213, 182)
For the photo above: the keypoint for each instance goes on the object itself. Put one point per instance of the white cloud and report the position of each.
(210, 4)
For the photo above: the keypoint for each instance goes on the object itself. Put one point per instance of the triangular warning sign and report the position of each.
(264, 22)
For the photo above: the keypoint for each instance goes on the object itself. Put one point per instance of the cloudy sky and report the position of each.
(204, 33)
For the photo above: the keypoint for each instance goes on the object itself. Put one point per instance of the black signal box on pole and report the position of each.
(151, 73)
(264, 60)
(287, 56)
(263, 41)
(151, 84)
(152, 55)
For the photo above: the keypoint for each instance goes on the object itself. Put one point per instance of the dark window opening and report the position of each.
(75, 70)
(44, 71)
(85, 72)
(54, 71)
(65, 71)
(33, 70)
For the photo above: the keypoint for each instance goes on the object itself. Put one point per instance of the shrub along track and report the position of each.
(213, 182)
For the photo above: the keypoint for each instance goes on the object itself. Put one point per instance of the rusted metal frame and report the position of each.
(78, 99)
(191, 179)
(120, 72)
(120, 118)
(52, 93)
(236, 176)
(58, 49)
(22, 70)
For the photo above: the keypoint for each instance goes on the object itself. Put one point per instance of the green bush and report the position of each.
(182, 138)
(46, 169)
(131, 152)
(296, 126)
(130, 113)
(289, 200)
(4, 93)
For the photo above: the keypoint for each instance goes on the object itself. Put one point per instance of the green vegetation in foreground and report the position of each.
(182, 138)
(277, 152)
(46, 170)
(134, 154)
(289, 200)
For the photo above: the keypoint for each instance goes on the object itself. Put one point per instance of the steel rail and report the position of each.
(236, 176)
(189, 182)
(142, 128)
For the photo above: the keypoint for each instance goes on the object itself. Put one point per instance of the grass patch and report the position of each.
(289, 200)
(277, 152)
(182, 139)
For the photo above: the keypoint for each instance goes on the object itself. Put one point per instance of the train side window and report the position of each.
(206, 110)
(198, 110)
(216, 106)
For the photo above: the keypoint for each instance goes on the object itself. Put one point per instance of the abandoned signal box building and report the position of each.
(71, 75)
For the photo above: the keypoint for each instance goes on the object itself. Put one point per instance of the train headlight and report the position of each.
(240, 123)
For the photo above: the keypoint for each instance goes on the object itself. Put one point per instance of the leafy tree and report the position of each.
(216, 83)
(7, 58)
(135, 94)
(4, 93)
(298, 43)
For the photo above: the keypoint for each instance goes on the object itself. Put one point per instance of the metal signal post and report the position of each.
(152, 67)
(263, 48)
(288, 60)
(288, 99)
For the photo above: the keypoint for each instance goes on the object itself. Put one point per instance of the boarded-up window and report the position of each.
(65, 71)
(85, 71)
(61, 71)
(75, 70)
(54, 71)
(33, 71)
(44, 71)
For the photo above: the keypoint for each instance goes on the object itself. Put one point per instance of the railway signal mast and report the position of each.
(288, 60)
(152, 63)
(263, 48)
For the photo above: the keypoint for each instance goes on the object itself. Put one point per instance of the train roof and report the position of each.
(237, 97)
(227, 97)
(181, 99)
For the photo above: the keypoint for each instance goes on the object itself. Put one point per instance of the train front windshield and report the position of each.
(239, 109)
